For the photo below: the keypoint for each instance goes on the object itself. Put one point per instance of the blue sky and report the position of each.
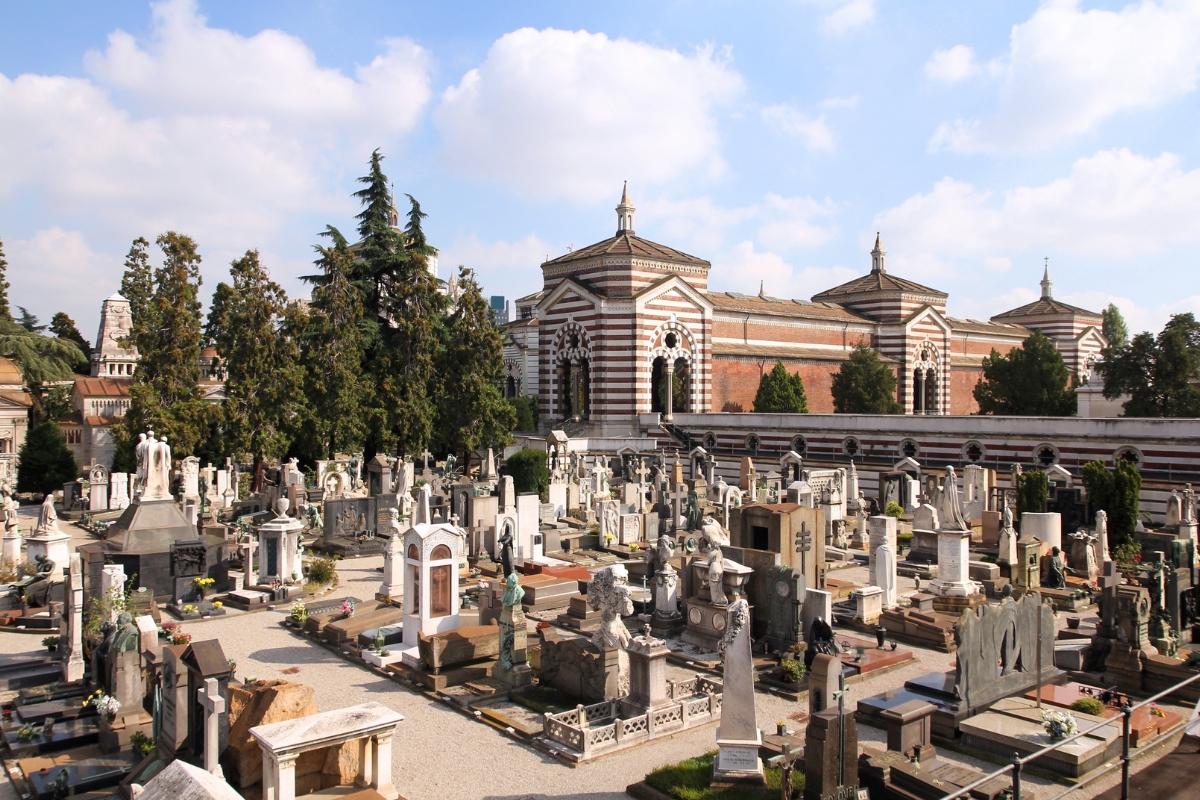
(773, 139)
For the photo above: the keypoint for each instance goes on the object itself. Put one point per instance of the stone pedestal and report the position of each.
(54, 545)
(11, 551)
(824, 679)
(909, 726)
(953, 578)
(869, 601)
(882, 531)
(513, 667)
(666, 617)
(647, 676)
(1045, 526)
(279, 551)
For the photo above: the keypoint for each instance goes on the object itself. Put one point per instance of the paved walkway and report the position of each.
(442, 755)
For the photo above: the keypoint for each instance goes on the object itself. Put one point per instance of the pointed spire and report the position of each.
(393, 213)
(762, 288)
(625, 212)
(1046, 282)
(877, 255)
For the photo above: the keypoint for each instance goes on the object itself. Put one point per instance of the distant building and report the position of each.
(110, 359)
(14, 418)
(499, 308)
(96, 403)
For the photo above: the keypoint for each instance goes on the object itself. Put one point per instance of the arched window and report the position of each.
(850, 446)
(440, 553)
(710, 442)
(414, 553)
(800, 445)
(753, 443)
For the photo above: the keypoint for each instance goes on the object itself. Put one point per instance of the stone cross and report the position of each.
(214, 706)
(803, 546)
(677, 496)
(425, 456)
(642, 471)
(1110, 579)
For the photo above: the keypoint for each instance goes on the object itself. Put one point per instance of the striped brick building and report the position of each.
(613, 320)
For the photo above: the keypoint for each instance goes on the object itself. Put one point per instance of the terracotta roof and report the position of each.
(626, 244)
(101, 422)
(760, 304)
(10, 374)
(535, 296)
(15, 397)
(975, 326)
(1047, 306)
(103, 387)
(519, 323)
(877, 281)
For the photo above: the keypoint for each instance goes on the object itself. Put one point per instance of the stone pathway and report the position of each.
(442, 754)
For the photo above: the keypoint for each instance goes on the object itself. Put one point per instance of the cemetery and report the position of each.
(658, 599)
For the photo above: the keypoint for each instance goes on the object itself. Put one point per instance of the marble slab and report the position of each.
(326, 727)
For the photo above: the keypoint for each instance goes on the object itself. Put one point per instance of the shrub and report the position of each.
(792, 670)
(1127, 554)
(321, 570)
(894, 509)
(529, 472)
(1088, 705)
(142, 743)
(1033, 490)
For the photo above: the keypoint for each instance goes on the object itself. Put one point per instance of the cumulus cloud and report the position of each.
(1114, 203)
(47, 270)
(849, 15)
(745, 269)
(1138, 318)
(813, 132)
(783, 223)
(1068, 70)
(222, 135)
(956, 64)
(503, 267)
(569, 114)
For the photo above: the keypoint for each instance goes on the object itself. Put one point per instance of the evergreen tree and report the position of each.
(1118, 493)
(1161, 375)
(336, 388)
(5, 310)
(137, 286)
(63, 327)
(1114, 326)
(1032, 380)
(529, 471)
(472, 411)
(525, 409)
(45, 463)
(865, 385)
(164, 395)
(261, 363)
(1033, 490)
(780, 392)
(29, 321)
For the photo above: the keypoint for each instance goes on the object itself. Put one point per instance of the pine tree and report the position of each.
(45, 463)
(335, 386)
(1161, 375)
(5, 310)
(261, 363)
(472, 411)
(164, 395)
(137, 286)
(63, 327)
(865, 385)
(1032, 380)
(780, 392)
(29, 321)
(1114, 326)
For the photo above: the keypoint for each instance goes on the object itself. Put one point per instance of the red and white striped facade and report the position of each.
(608, 312)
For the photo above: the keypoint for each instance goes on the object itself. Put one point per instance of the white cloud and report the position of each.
(997, 264)
(745, 269)
(792, 223)
(48, 270)
(1113, 204)
(956, 64)
(510, 268)
(813, 132)
(570, 114)
(223, 136)
(783, 223)
(1138, 318)
(964, 307)
(849, 15)
(1068, 70)
(188, 68)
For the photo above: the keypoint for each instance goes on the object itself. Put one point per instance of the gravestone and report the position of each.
(118, 491)
(824, 680)
(72, 637)
(817, 603)
(787, 591)
(189, 560)
(214, 709)
(1045, 526)
(738, 736)
(998, 649)
(174, 723)
(869, 600)
(98, 493)
(826, 774)
(350, 526)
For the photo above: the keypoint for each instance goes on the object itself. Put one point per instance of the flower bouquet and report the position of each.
(1058, 724)
(106, 705)
(299, 612)
(347, 608)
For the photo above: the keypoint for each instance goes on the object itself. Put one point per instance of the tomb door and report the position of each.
(761, 537)
(272, 545)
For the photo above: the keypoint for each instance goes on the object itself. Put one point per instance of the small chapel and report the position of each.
(614, 319)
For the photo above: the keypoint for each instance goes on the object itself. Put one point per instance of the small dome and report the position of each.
(10, 374)
(116, 297)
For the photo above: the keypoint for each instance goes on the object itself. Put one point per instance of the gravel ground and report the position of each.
(442, 754)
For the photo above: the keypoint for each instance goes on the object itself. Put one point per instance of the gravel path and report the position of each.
(439, 753)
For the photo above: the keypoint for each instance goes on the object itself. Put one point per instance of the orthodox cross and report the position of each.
(803, 546)
(214, 706)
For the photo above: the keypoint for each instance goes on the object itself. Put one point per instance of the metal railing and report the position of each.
(1019, 762)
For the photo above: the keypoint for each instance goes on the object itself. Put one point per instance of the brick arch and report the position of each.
(685, 348)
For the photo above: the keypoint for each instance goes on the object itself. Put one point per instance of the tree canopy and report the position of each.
(780, 392)
(1116, 491)
(1032, 380)
(1114, 326)
(63, 327)
(865, 385)
(1160, 374)
(45, 463)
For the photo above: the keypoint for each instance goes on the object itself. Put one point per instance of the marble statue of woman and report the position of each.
(1101, 533)
(948, 505)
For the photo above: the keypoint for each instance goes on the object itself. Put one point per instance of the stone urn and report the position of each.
(282, 505)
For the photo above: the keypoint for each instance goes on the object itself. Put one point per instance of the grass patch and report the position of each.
(689, 780)
(543, 699)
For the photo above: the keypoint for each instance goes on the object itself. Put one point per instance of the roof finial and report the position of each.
(762, 288)
(625, 212)
(1046, 282)
(877, 255)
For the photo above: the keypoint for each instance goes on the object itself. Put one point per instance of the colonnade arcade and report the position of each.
(925, 374)
(672, 352)
(572, 367)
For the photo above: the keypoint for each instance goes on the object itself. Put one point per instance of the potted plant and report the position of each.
(204, 584)
(51, 643)
(347, 609)
(299, 613)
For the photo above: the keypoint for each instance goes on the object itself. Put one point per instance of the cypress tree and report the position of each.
(472, 411)
(780, 392)
(261, 363)
(137, 286)
(865, 385)
(5, 310)
(1114, 326)
(45, 463)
